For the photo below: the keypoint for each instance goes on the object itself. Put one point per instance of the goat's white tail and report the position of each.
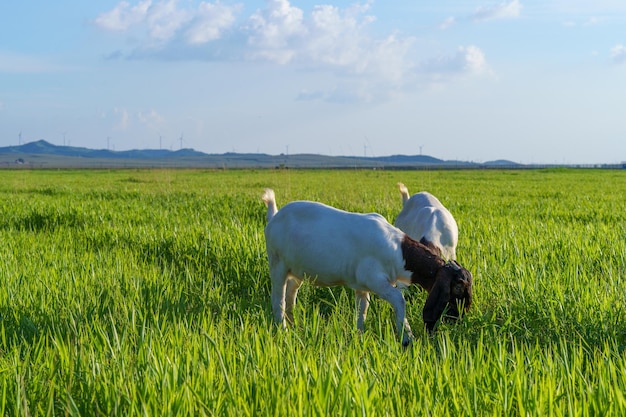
(270, 201)
(404, 192)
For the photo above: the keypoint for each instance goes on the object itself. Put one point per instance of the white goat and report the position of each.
(306, 239)
(426, 220)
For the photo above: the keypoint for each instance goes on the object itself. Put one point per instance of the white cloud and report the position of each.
(123, 16)
(348, 93)
(163, 20)
(392, 58)
(592, 21)
(472, 60)
(499, 11)
(327, 39)
(210, 22)
(468, 60)
(447, 23)
(338, 38)
(123, 118)
(273, 30)
(587, 22)
(618, 54)
(150, 118)
(308, 95)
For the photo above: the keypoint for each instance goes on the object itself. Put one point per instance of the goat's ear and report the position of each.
(436, 301)
(430, 245)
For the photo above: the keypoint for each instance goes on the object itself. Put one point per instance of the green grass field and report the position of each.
(146, 292)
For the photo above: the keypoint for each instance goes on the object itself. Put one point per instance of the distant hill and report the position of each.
(44, 154)
(500, 162)
(407, 159)
(41, 147)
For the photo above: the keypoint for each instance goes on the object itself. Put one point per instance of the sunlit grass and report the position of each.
(147, 293)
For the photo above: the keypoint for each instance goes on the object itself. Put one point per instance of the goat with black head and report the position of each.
(332, 247)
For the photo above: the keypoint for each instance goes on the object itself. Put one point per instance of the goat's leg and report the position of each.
(293, 285)
(363, 302)
(395, 298)
(372, 275)
(278, 275)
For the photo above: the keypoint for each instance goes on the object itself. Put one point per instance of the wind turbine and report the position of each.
(369, 145)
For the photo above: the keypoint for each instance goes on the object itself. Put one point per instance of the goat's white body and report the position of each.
(424, 217)
(329, 245)
(334, 247)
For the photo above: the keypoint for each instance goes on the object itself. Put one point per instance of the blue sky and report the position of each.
(528, 81)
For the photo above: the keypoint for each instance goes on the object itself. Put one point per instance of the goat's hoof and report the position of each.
(430, 327)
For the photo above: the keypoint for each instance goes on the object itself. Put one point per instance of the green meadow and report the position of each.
(146, 293)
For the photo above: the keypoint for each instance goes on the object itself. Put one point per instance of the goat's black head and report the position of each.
(451, 293)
